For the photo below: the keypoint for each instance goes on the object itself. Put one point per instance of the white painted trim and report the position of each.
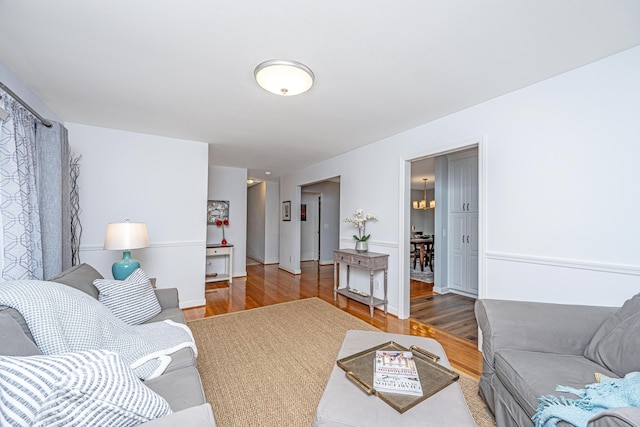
(371, 242)
(173, 244)
(292, 271)
(603, 267)
(482, 215)
(193, 303)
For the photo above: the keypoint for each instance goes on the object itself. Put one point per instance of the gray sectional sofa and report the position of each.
(179, 385)
(530, 348)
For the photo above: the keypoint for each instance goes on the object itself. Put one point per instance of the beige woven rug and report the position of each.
(268, 366)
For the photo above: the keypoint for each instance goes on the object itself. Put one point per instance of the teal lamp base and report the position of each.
(123, 268)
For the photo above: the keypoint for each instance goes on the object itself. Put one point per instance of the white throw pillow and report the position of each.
(131, 300)
(87, 388)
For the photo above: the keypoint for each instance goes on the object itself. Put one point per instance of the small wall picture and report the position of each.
(286, 211)
(303, 212)
(217, 210)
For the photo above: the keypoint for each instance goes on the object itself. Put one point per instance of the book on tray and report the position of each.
(396, 372)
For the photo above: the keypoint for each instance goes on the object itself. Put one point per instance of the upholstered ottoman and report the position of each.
(344, 404)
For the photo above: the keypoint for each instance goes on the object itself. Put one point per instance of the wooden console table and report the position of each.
(371, 261)
(221, 250)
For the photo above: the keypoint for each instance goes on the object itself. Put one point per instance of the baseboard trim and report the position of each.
(289, 270)
(193, 303)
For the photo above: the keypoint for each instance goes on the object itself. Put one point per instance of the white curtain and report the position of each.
(19, 207)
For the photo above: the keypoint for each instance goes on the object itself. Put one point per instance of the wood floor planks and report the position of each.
(267, 284)
(450, 312)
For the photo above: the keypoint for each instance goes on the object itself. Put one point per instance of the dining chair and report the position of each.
(414, 250)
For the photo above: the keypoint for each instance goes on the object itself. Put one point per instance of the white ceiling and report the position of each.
(185, 68)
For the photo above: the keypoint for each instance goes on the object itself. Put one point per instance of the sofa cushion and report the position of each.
(13, 339)
(528, 375)
(132, 300)
(89, 388)
(615, 344)
(80, 277)
(175, 314)
(181, 388)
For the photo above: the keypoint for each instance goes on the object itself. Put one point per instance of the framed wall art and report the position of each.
(217, 210)
(286, 210)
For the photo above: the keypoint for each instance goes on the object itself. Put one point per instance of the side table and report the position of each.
(226, 251)
(371, 261)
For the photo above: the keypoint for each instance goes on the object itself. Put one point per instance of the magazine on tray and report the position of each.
(396, 372)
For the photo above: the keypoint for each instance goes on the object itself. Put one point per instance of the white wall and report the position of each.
(256, 203)
(558, 177)
(230, 184)
(263, 233)
(159, 181)
(272, 221)
(309, 236)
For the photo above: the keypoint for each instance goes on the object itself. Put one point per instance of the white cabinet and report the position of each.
(463, 222)
(463, 183)
(463, 257)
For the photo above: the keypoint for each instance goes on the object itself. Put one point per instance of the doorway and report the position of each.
(320, 220)
(438, 183)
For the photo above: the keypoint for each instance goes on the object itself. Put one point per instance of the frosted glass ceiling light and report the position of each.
(285, 78)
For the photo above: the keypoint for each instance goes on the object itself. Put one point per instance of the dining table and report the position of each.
(425, 245)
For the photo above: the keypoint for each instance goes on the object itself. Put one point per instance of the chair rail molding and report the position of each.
(171, 244)
(632, 270)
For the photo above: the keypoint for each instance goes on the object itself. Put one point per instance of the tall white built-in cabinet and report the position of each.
(463, 222)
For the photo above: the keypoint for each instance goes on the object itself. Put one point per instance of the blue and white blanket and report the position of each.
(594, 398)
(63, 319)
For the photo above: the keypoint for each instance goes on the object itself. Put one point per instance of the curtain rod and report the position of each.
(44, 121)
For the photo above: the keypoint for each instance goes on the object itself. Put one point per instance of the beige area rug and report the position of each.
(268, 366)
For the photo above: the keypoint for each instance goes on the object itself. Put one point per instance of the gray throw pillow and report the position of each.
(87, 388)
(13, 340)
(616, 344)
(80, 277)
(131, 300)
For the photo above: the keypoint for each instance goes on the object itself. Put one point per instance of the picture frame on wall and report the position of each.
(217, 210)
(286, 210)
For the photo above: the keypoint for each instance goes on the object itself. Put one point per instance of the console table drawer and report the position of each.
(343, 258)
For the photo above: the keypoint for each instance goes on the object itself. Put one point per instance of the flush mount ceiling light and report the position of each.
(285, 78)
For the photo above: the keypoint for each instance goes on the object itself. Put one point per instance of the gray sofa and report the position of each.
(529, 348)
(180, 385)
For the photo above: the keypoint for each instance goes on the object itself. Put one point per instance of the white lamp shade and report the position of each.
(126, 235)
(284, 78)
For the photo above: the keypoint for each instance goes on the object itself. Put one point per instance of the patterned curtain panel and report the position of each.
(19, 209)
(54, 188)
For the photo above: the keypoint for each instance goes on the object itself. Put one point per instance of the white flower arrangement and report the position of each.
(359, 220)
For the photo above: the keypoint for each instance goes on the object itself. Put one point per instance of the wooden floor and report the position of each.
(451, 312)
(268, 285)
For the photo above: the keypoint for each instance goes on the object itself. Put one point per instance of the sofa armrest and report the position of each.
(196, 416)
(617, 417)
(535, 326)
(168, 298)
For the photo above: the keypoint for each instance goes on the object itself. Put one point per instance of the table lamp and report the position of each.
(125, 236)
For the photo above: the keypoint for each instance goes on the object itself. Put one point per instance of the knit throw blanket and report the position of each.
(594, 398)
(63, 319)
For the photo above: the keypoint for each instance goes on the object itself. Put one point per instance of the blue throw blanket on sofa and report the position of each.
(594, 398)
(63, 319)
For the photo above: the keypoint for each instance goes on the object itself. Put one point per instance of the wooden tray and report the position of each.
(433, 377)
